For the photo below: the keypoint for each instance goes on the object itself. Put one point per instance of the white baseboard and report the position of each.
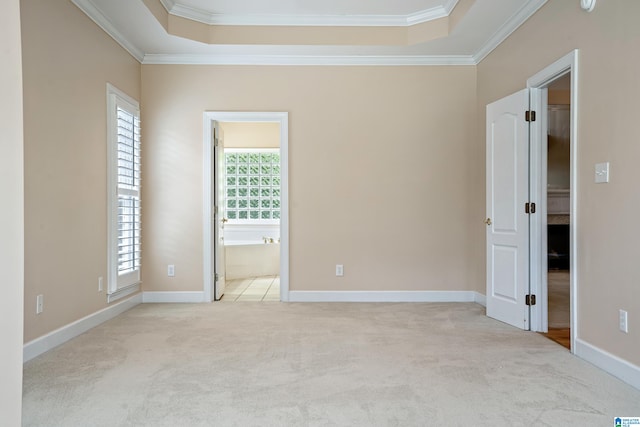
(173, 297)
(61, 335)
(480, 299)
(608, 362)
(382, 296)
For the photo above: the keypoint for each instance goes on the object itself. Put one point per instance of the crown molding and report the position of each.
(103, 22)
(512, 24)
(330, 60)
(205, 17)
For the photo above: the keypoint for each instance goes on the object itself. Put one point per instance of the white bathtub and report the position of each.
(251, 259)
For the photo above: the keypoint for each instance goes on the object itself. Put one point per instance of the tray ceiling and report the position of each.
(306, 32)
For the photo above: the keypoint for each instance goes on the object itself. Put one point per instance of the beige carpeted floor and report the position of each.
(333, 364)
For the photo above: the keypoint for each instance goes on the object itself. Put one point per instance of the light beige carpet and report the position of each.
(335, 364)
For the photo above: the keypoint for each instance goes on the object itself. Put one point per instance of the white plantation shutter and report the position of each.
(129, 226)
(124, 192)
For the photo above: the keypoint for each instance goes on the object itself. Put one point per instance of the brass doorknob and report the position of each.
(487, 221)
(224, 220)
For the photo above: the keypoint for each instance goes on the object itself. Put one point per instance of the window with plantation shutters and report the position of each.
(128, 192)
(124, 193)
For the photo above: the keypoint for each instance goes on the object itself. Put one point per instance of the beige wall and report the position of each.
(251, 135)
(11, 216)
(607, 222)
(383, 172)
(68, 61)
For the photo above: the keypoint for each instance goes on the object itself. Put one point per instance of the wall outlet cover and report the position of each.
(602, 173)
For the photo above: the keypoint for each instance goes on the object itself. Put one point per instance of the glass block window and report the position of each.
(252, 185)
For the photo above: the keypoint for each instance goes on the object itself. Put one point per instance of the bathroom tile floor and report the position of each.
(265, 288)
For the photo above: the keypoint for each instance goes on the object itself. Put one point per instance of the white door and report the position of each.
(219, 216)
(507, 222)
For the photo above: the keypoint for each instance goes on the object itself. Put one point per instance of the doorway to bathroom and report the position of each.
(246, 206)
(252, 199)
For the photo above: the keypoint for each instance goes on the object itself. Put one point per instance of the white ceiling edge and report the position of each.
(335, 60)
(103, 22)
(499, 36)
(311, 20)
(519, 18)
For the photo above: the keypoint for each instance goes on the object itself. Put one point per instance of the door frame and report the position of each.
(282, 118)
(538, 192)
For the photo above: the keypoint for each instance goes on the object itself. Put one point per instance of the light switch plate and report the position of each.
(602, 173)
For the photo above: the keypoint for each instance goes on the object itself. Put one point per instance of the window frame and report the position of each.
(118, 285)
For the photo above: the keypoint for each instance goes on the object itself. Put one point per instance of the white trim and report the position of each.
(92, 11)
(123, 292)
(245, 117)
(173, 297)
(205, 17)
(61, 335)
(383, 296)
(620, 368)
(539, 314)
(334, 60)
(480, 299)
(519, 18)
(207, 209)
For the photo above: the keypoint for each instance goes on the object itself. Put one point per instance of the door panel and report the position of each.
(505, 264)
(508, 224)
(219, 217)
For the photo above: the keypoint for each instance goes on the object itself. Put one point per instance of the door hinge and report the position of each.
(530, 300)
(529, 208)
(215, 278)
(530, 116)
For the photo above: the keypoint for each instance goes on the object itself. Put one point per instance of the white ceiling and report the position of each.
(486, 24)
(310, 7)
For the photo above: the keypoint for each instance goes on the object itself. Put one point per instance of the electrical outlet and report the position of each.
(100, 284)
(171, 270)
(624, 326)
(339, 270)
(39, 304)
(602, 173)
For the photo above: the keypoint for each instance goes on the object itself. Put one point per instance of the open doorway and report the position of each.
(223, 208)
(518, 253)
(558, 210)
(252, 198)
(554, 171)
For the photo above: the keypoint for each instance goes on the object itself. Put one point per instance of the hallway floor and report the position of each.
(559, 307)
(266, 288)
(558, 294)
